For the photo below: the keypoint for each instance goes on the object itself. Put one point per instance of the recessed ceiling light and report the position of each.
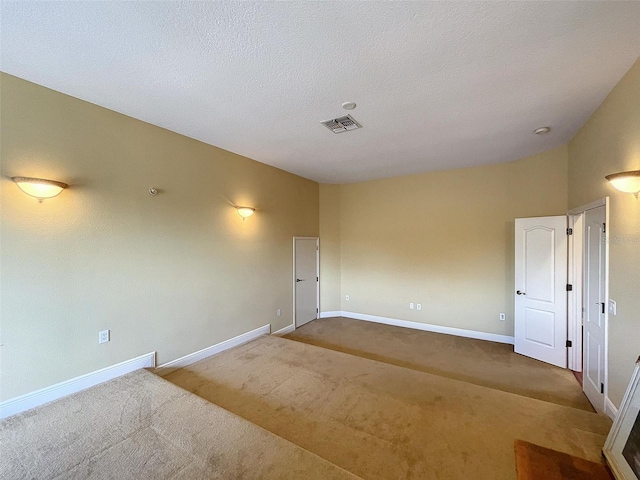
(542, 130)
(349, 105)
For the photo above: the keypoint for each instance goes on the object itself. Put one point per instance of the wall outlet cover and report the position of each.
(411, 305)
(503, 317)
(103, 336)
(347, 297)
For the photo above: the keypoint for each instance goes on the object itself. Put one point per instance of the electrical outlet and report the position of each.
(419, 306)
(613, 308)
(103, 336)
(411, 305)
(278, 313)
(503, 317)
(347, 297)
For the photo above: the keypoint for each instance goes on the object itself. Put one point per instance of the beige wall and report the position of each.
(173, 273)
(181, 271)
(330, 248)
(610, 142)
(444, 240)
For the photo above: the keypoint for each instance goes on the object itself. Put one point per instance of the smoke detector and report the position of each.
(342, 124)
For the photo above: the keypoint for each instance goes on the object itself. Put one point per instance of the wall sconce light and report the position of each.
(628, 182)
(39, 187)
(245, 212)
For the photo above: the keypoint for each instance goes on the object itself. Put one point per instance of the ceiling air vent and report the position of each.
(341, 124)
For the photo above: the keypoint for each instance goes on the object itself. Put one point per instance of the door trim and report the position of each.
(317, 239)
(575, 265)
(574, 319)
(589, 206)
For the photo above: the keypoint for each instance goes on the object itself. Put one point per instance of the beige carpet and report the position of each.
(382, 421)
(142, 427)
(480, 362)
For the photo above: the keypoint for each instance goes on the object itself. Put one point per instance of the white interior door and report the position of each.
(594, 304)
(541, 297)
(305, 251)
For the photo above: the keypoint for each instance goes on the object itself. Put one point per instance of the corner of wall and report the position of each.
(330, 250)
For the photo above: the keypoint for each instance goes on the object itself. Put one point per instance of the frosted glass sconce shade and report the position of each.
(39, 187)
(628, 182)
(245, 212)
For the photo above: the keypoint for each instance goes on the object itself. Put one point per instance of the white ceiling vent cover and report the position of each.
(341, 124)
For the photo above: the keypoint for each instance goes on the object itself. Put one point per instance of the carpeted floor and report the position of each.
(142, 427)
(400, 404)
(383, 421)
(480, 362)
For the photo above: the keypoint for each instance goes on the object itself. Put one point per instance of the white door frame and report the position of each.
(574, 300)
(576, 272)
(317, 239)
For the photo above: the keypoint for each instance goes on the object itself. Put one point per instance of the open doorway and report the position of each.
(588, 281)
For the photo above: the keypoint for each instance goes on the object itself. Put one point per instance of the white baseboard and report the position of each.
(460, 332)
(609, 408)
(167, 368)
(285, 330)
(62, 389)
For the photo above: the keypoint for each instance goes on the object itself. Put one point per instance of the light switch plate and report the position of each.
(612, 307)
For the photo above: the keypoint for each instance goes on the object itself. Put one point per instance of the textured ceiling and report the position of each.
(438, 85)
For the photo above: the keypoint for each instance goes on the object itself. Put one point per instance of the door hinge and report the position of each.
(569, 344)
(569, 287)
(602, 388)
(604, 228)
(317, 310)
(569, 231)
(602, 303)
(317, 279)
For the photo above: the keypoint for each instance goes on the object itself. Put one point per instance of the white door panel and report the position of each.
(539, 326)
(306, 280)
(594, 303)
(539, 273)
(541, 277)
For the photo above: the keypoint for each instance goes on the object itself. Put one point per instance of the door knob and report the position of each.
(299, 280)
(520, 293)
